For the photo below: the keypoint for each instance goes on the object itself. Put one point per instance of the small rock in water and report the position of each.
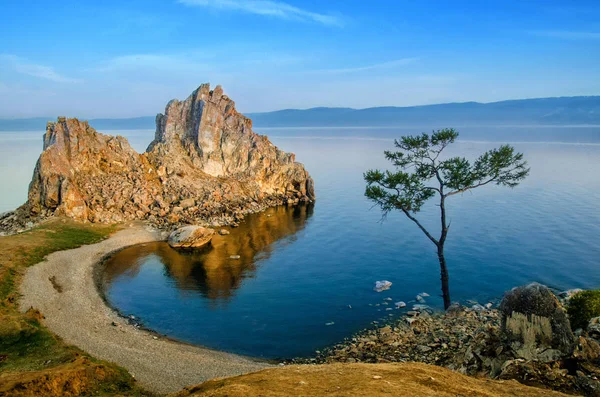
(424, 294)
(488, 305)
(420, 299)
(400, 305)
(234, 257)
(382, 285)
(328, 324)
(478, 308)
(349, 306)
(388, 299)
(389, 308)
(420, 307)
(224, 232)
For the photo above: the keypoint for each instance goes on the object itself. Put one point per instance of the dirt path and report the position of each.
(63, 289)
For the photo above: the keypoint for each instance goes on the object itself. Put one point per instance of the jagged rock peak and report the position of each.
(205, 166)
(217, 138)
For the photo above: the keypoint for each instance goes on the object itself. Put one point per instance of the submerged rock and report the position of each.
(191, 237)
(382, 285)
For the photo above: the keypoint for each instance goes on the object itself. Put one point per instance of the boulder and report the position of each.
(534, 324)
(593, 328)
(191, 237)
(587, 349)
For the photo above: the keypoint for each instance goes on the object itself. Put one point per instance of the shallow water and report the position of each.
(302, 268)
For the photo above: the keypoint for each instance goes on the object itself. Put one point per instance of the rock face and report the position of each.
(191, 237)
(204, 166)
(535, 324)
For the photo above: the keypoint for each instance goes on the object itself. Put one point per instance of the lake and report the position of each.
(305, 275)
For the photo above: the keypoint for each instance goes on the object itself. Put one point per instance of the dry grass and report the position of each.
(353, 380)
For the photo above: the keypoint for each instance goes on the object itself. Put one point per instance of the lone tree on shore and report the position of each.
(421, 174)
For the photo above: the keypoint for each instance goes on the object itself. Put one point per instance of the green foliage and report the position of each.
(582, 307)
(420, 173)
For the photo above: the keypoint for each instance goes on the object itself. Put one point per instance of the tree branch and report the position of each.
(470, 187)
(412, 218)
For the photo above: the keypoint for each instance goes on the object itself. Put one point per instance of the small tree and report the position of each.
(421, 174)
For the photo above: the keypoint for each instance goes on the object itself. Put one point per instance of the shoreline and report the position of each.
(65, 290)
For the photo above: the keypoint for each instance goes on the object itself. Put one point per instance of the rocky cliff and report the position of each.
(205, 165)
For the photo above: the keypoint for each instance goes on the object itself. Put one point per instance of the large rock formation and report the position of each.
(205, 165)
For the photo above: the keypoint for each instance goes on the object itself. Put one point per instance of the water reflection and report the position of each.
(211, 271)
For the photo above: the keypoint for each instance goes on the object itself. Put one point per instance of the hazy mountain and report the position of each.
(39, 124)
(540, 111)
(553, 111)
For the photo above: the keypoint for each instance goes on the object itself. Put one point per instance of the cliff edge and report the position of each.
(205, 165)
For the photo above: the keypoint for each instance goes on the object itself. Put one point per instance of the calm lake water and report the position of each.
(306, 267)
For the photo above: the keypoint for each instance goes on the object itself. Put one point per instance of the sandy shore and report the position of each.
(79, 315)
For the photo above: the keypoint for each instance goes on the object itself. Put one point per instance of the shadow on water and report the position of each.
(211, 271)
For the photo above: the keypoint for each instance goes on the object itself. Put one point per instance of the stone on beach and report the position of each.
(191, 237)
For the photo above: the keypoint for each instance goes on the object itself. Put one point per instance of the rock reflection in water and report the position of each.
(211, 271)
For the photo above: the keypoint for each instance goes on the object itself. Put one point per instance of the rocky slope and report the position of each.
(205, 165)
(528, 339)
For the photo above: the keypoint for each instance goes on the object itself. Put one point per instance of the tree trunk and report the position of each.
(444, 277)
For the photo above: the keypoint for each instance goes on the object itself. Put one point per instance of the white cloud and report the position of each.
(376, 66)
(269, 8)
(565, 34)
(23, 66)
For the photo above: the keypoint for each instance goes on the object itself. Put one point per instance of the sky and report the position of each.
(129, 58)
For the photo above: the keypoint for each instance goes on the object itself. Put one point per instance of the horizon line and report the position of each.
(324, 107)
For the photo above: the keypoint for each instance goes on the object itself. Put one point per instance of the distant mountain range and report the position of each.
(578, 110)
(545, 111)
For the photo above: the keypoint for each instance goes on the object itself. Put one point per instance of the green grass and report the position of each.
(25, 342)
(30, 346)
(7, 284)
(64, 237)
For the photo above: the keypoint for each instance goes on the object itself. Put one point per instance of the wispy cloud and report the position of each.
(376, 66)
(268, 8)
(567, 34)
(23, 66)
(155, 61)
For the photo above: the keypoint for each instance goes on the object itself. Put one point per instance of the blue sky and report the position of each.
(128, 58)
